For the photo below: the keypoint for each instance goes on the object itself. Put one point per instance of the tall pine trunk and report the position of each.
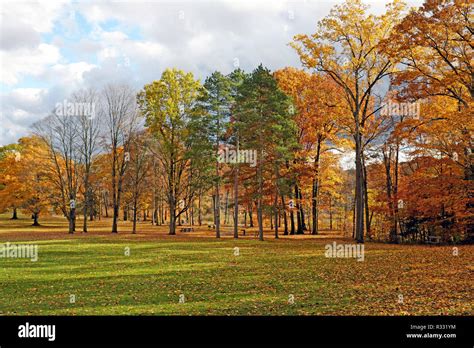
(285, 218)
(259, 198)
(236, 199)
(199, 209)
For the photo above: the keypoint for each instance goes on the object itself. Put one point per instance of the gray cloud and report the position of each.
(15, 35)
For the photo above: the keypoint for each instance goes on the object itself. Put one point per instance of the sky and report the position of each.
(49, 49)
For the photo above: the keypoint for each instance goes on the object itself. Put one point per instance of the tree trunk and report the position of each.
(217, 207)
(250, 214)
(72, 218)
(86, 203)
(344, 223)
(226, 213)
(366, 200)
(217, 213)
(303, 222)
(106, 203)
(100, 206)
(292, 221)
(259, 198)
(388, 186)
(154, 209)
(308, 214)
(117, 199)
(276, 212)
(92, 211)
(236, 200)
(330, 212)
(395, 189)
(199, 210)
(172, 227)
(354, 215)
(275, 202)
(134, 228)
(115, 204)
(35, 219)
(217, 203)
(115, 218)
(163, 214)
(260, 218)
(299, 212)
(315, 190)
(359, 204)
(285, 218)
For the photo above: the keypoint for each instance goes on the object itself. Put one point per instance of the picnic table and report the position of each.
(432, 240)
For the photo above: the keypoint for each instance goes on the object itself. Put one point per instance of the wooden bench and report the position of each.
(211, 227)
(187, 229)
(433, 240)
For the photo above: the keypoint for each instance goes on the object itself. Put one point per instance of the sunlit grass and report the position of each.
(104, 280)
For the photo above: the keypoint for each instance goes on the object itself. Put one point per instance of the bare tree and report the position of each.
(88, 136)
(138, 166)
(120, 116)
(59, 131)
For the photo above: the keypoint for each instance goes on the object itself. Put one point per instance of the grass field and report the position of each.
(205, 273)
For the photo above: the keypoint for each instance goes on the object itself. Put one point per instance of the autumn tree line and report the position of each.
(394, 91)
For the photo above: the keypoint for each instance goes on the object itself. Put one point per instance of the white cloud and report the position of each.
(70, 74)
(134, 41)
(21, 25)
(32, 96)
(25, 61)
(38, 15)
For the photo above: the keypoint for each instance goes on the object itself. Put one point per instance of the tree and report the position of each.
(435, 46)
(217, 100)
(11, 187)
(347, 48)
(88, 146)
(265, 126)
(317, 114)
(33, 176)
(118, 110)
(60, 132)
(167, 105)
(236, 77)
(138, 168)
(24, 184)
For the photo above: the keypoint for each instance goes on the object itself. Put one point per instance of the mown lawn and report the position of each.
(212, 280)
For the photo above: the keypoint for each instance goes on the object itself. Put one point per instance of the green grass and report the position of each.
(214, 281)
